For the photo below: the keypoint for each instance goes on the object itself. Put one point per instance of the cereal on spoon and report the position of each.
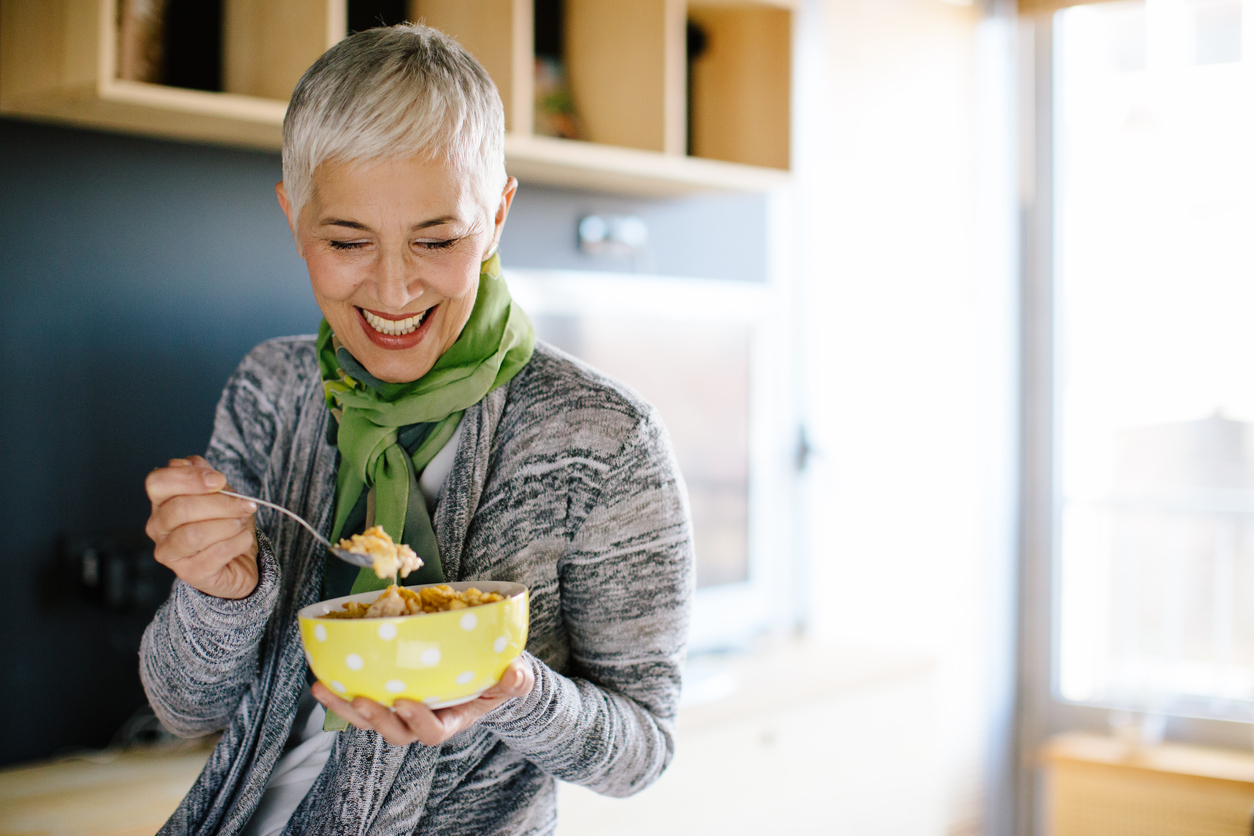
(390, 558)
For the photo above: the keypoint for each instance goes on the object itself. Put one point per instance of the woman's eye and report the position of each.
(437, 245)
(346, 245)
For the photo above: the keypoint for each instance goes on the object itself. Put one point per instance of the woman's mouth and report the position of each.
(394, 327)
(393, 332)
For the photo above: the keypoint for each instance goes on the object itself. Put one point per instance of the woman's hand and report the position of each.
(208, 539)
(409, 722)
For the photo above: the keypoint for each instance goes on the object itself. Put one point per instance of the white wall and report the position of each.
(906, 240)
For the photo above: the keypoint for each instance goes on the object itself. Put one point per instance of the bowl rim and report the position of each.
(316, 610)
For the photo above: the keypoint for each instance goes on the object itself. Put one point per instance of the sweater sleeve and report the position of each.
(200, 652)
(626, 587)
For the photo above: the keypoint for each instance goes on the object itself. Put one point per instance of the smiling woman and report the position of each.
(425, 406)
(394, 248)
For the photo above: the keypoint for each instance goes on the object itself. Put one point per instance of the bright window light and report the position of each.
(1154, 225)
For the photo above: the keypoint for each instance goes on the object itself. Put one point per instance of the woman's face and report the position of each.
(394, 248)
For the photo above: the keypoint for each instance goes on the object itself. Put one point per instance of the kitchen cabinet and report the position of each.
(629, 77)
(1097, 785)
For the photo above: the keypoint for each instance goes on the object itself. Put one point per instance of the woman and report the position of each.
(426, 406)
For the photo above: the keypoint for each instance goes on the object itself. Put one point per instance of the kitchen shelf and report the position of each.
(626, 61)
(586, 165)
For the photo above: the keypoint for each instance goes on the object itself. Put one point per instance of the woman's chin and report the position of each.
(396, 369)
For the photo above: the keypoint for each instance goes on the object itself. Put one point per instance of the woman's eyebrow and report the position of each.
(440, 221)
(344, 223)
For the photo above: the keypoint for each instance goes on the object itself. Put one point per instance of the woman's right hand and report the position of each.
(207, 539)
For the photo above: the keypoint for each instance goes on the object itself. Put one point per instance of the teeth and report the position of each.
(394, 328)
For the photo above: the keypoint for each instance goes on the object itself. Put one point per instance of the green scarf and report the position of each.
(376, 419)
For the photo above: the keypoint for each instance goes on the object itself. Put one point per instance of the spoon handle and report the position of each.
(317, 536)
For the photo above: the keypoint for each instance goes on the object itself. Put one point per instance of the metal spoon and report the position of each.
(345, 555)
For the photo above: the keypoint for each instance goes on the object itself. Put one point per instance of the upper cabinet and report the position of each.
(655, 97)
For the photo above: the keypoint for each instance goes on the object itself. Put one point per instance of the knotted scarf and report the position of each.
(388, 432)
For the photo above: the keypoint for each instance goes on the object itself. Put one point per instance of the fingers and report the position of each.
(183, 510)
(407, 721)
(192, 475)
(392, 726)
(367, 714)
(340, 706)
(429, 727)
(517, 681)
(434, 727)
(237, 579)
(188, 462)
(208, 539)
(412, 722)
(197, 562)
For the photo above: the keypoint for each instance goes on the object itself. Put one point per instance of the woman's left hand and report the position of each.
(409, 722)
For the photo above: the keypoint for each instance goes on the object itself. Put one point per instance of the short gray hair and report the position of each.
(395, 92)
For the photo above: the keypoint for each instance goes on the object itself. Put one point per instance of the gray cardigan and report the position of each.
(564, 481)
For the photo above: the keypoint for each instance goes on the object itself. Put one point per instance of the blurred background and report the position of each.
(945, 305)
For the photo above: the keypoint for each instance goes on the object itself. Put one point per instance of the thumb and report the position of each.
(517, 680)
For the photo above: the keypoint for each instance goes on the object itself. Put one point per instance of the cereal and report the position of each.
(390, 558)
(402, 600)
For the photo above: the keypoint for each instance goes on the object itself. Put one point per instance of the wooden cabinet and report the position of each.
(1098, 786)
(626, 60)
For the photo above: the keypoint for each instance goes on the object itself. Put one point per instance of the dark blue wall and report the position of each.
(134, 274)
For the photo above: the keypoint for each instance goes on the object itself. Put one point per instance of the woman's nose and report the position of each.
(397, 281)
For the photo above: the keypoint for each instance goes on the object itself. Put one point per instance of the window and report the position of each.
(1146, 122)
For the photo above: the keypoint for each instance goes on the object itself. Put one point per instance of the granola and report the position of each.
(390, 559)
(402, 600)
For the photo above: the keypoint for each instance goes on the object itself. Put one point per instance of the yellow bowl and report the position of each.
(441, 659)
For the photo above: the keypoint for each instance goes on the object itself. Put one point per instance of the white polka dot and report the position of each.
(469, 621)
(320, 632)
(500, 644)
(431, 656)
(465, 677)
(395, 686)
(387, 631)
(339, 686)
(354, 662)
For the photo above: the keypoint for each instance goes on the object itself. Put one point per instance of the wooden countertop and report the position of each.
(132, 793)
(128, 793)
(1169, 758)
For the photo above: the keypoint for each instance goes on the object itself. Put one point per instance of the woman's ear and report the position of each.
(286, 205)
(502, 212)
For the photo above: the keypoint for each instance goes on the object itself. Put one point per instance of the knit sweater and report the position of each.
(563, 481)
